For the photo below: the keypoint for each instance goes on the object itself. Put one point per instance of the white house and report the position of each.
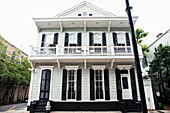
(84, 62)
(164, 39)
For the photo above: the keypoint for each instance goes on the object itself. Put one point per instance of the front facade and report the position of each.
(84, 62)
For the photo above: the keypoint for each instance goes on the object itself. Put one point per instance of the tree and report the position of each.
(159, 69)
(13, 73)
(140, 34)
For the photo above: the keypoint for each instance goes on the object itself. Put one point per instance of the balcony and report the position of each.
(83, 51)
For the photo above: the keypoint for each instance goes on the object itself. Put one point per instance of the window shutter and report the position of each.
(118, 84)
(91, 39)
(115, 38)
(92, 84)
(104, 39)
(133, 84)
(79, 39)
(79, 84)
(64, 84)
(106, 84)
(43, 40)
(127, 39)
(66, 39)
(55, 39)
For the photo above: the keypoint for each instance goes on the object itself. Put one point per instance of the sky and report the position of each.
(17, 26)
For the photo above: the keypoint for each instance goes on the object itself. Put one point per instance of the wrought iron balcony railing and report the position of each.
(84, 51)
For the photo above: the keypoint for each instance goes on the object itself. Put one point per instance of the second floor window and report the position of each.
(73, 38)
(13, 55)
(97, 38)
(120, 38)
(49, 40)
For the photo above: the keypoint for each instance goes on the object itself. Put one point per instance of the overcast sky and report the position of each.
(17, 26)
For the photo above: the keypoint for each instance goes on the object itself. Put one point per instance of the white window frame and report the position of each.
(100, 41)
(50, 40)
(41, 69)
(99, 67)
(73, 41)
(75, 68)
(123, 40)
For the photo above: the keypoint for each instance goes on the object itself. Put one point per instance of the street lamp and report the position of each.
(137, 62)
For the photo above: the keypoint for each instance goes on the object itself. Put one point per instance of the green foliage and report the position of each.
(140, 34)
(13, 73)
(160, 64)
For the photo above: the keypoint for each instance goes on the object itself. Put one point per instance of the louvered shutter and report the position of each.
(64, 84)
(106, 84)
(115, 38)
(127, 39)
(133, 84)
(43, 40)
(66, 39)
(92, 84)
(104, 39)
(55, 41)
(79, 84)
(91, 43)
(79, 39)
(118, 85)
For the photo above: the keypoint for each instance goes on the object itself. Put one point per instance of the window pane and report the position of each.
(46, 95)
(125, 82)
(49, 40)
(84, 13)
(97, 38)
(73, 38)
(42, 95)
(47, 85)
(120, 38)
(43, 74)
(42, 85)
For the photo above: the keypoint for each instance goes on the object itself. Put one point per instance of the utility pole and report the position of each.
(136, 55)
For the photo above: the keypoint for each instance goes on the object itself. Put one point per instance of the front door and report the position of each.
(45, 84)
(126, 87)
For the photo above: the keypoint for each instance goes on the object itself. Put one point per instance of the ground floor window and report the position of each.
(71, 92)
(99, 84)
(45, 84)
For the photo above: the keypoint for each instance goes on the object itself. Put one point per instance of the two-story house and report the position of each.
(84, 62)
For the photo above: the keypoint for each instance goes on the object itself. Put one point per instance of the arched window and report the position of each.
(45, 84)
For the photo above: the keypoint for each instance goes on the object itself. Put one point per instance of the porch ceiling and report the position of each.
(47, 23)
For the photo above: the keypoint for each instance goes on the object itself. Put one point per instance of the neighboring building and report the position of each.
(12, 51)
(21, 92)
(164, 39)
(84, 62)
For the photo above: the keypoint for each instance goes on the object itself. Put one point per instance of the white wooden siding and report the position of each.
(56, 84)
(61, 39)
(85, 84)
(109, 38)
(35, 85)
(112, 84)
(85, 39)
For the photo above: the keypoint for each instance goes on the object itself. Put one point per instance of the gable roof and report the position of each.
(83, 4)
(160, 37)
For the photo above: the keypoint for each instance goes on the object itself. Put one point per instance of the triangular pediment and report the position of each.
(85, 9)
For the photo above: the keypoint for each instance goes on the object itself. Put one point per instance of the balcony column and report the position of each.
(112, 50)
(85, 50)
(57, 50)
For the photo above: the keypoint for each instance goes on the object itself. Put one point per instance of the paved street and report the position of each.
(14, 108)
